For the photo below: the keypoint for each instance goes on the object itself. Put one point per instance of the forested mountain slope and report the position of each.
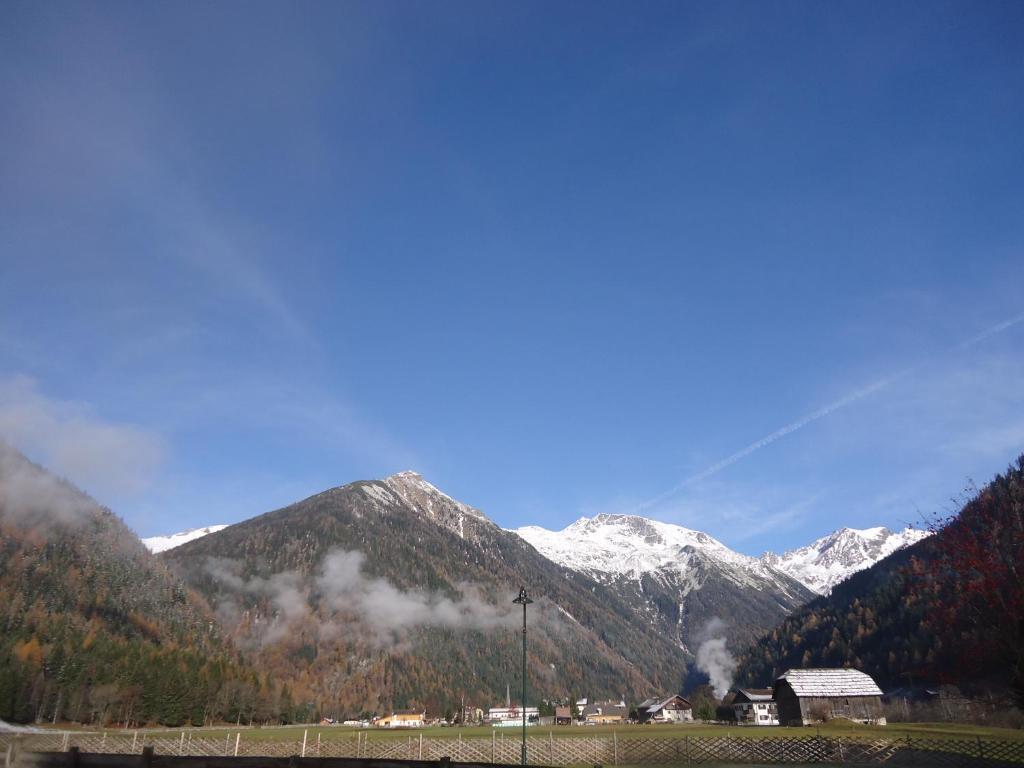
(92, 626)
(949, 609)
(383, 594)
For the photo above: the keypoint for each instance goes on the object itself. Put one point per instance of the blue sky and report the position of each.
(561, 258)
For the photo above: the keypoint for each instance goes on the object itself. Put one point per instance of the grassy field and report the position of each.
(835, 728)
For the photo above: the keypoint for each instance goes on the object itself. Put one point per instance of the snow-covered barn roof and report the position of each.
(830, 682)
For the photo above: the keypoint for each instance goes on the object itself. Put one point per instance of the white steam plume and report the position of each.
(714, 659)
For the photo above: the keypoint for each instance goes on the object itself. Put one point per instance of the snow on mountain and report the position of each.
(427, 498)
(630, 546)
(408, 489)
(163, 543)
(679, 580)
(624, 545)
(831, 559)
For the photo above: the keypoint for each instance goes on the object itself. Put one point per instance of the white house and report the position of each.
(510, 716)
(755, 706)
(674, 709)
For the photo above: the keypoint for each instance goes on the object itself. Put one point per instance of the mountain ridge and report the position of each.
(814, 565)
(389, 593)
(835, 557)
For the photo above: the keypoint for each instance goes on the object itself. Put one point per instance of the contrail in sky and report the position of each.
(821, 413)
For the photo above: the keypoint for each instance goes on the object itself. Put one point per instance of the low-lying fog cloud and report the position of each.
(340, 590)
(104, 458)
(32, 498)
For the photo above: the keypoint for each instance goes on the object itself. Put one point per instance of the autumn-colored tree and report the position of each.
(977, 578)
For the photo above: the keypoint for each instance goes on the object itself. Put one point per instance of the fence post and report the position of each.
(318, 743)
(839, 740)
(687, 742)
(135, 738)
(981, 749)
(67, 741)
(492, 745)
(13, 751)
(147, 757)
(181, 744)
(615, 746)
(238, 738)
(73, 757)
(305, 735)
(420, 753)
(103, 742)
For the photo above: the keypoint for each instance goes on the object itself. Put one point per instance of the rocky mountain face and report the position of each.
(682, 583)
(831, 559)
(389, 593)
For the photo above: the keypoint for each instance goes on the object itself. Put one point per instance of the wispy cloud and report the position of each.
(106, 458)
(820, 413)
(105, 134)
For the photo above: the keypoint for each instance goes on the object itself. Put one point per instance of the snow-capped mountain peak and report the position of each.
(831, 559)
(626, 545)
(614, 546)
(679, 579)
(163, 543)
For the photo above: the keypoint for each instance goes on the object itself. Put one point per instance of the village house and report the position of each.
(674, 709)
(755, 706)
(807, 696)
(501, 717)
(606, 713)
(563, 715)
(403, 718)
(471, 714)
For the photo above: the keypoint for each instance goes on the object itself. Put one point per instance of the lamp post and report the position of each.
(524, 601)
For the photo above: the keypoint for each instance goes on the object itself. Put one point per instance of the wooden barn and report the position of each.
(807, 696)
(563, 716)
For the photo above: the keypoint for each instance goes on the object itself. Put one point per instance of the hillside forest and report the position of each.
(948, 610)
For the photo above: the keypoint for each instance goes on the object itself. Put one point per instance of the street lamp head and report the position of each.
(523, 598)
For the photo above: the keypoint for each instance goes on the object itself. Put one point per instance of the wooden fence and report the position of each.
(544, 749)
